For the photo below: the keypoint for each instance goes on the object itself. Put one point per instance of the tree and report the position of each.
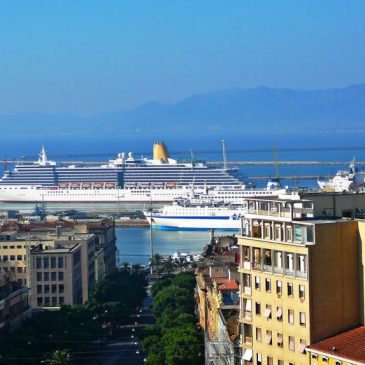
(156, 262)
(183, 345)
(59, 357)
(168, 265)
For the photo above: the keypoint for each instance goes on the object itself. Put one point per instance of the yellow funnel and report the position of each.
(160, 152)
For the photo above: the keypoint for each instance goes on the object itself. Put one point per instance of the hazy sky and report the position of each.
(96, 56)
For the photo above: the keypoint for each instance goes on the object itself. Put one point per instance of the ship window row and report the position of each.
(266, 286)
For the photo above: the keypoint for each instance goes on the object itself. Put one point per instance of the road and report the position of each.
(122, 349)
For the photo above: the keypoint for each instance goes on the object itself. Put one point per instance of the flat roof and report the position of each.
(349, 345)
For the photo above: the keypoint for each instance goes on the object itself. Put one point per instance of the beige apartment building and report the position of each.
(62, 270)
(300, 280)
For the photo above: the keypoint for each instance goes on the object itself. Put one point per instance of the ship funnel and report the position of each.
(160, 152)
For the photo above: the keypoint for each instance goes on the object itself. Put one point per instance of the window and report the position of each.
(288, 234)
(291, 316)
(53, 262)
(39, 289)
(257, 309)
(268, 339)
(61, 300)
(39, 301)
(310, 234)
(324, 359)
(46, 289)
(280, 362)
(301, 292)
(38, 264)
(268, 311)
(268, 285)
(267, 230)
(19, 257)
(277, 232)
(291, 343)
(54, 300)
(46, 276)
(278, 287)
(302, 346)
(19, 270)
(302, 318)
(290, 289)
(279, 313)
(298, 233)
(60, 262)
(289, 264)
(258, 334)
(269, 360)
(46, 262)
(39, 276)
(257, 283)
(267, 257)
(60, 276)
(46, 301)
(54, 288)
(12, 257)
(279, 339)
(61, 288)
(53, 276)
(314, 357)
(302, 263)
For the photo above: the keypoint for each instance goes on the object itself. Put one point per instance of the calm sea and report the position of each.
(134, 243)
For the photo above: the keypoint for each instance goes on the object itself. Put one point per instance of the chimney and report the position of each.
(58, 231)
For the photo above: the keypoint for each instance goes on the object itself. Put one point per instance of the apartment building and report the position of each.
(13, 255)
(296, 272)
(62, 270)
(14, 303)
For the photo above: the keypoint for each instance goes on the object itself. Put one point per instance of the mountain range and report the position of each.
(237, 111)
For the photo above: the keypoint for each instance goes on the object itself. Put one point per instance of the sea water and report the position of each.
(134, 247)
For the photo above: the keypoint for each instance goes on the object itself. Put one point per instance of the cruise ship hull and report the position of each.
(93, 196)
(224, 223)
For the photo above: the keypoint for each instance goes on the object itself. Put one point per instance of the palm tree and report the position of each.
(168, 265)
(59, 357)
(156, 262)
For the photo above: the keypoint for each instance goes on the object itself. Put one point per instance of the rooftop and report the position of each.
(349, 345)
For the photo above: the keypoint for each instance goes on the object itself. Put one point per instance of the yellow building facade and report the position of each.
(295, 273)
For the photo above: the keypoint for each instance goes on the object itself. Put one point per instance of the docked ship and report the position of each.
(125, 179)
(350, 180)
(184, 215)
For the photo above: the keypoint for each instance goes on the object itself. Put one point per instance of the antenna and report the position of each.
(276, 161)
(192, 156)
(224, 154)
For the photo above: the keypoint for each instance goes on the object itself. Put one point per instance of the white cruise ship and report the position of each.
(187, 216)
(124, 180)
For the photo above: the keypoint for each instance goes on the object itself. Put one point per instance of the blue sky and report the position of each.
(95, 56)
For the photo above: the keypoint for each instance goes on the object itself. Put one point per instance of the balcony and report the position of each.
(267, 268)
(247, 340)
(301, 274)
(247, 315)
(247, 290)
(278, 270)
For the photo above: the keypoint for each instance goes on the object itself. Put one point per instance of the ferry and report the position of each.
(184, 215)
(126, 179)
(350, 180)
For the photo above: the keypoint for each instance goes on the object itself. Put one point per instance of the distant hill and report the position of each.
(256, 110)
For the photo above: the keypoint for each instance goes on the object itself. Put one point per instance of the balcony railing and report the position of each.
(247, 315)
(267, 268)
(247, 290)
(278, 270)
(301, 274)
(256, 265)
(248, 340)
(289, 272)
(247, 265)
